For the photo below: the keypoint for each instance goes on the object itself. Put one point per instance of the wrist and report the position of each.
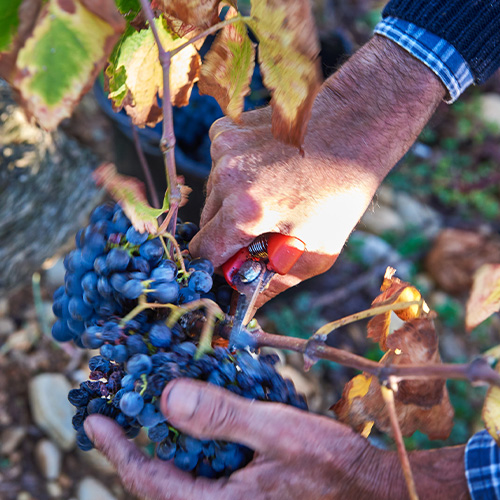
(385, 96)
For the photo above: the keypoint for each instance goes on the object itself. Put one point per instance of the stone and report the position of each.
(7, 326)
(48, 458)
(11, 438)
(4, 306)
(54, 489)
(490, 108)
(418, 215)
(97, 460)
(385, 195)
(54, 275)
(382, 219)
(372, 249)
(51, 410)
(91, 489)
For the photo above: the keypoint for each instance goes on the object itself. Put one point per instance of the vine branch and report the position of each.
(167, 142)
(388, 396)
(477, 371)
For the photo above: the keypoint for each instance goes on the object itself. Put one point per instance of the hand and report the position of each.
(364, 119)
(299, 455)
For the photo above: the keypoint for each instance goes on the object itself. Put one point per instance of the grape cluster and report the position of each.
(113, 268)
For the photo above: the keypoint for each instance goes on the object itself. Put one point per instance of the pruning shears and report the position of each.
(250, 270)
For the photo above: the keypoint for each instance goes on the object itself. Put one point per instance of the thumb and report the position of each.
(206, 411)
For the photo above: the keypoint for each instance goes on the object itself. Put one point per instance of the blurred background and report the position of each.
(436, 219)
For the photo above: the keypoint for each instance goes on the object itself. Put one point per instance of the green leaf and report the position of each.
(130, 193)
(288, 53)
(68, 47)
(228, 67)
(9, 21)
(129, 8)
(135, 75)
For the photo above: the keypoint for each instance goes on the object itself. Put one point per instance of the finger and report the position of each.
(145, 477)
(231, 228)
(209, 412)
(248, 119)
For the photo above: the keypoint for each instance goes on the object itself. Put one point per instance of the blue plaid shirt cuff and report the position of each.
(482, 467)
(437, 54)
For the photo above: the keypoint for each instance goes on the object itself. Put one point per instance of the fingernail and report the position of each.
(182, 401)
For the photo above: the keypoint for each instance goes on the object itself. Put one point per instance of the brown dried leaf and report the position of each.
(457, 254)
(200, 13)
(423, 406)
(393, 291)
(485, 295)
(130, 193)
(288, 57)
(228, 67)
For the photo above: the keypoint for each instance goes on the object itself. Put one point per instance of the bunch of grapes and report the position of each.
(122, 295)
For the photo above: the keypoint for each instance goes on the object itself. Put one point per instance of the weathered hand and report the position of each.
(300, 455)
(364, 119)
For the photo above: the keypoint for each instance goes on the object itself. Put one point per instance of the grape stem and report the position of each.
(142, 306)
(177, 252)
(167, 142)
(478, 371)
(388, 396)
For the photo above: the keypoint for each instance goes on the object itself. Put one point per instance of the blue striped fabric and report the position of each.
(440, 56)
(482, 467)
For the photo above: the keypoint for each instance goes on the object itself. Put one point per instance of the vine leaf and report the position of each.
(27, 14)
(9, 22)
(484, 299)
(491, 410)
(59, 61)
(130, 193)
(135, 75)
(200, 13)
(288, 56)
(393, 291)
(228, 67)
(420, 405)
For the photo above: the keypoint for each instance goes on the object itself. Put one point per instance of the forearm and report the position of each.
(384, 97)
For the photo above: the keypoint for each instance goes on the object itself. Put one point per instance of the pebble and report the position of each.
(490, 108)
(91, 489)
(48, 458)
(97, 460)
(382, 219)
(4, 307)
(54, 489)
(11, 438)
(24, 495)
(51, 410)
(418, 215)
(385, 195)
(54, 275)
(7, 326)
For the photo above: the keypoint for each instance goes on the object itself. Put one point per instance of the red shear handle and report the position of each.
(282, 252)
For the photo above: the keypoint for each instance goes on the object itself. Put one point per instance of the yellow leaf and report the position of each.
(394, 291)
(288, 53)
(484, 299)
(491, 412)
(138, 70)
(227, 68)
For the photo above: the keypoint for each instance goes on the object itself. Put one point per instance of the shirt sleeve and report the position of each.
(436, 53)
(482, 467)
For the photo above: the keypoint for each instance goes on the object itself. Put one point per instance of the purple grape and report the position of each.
(131, 404)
